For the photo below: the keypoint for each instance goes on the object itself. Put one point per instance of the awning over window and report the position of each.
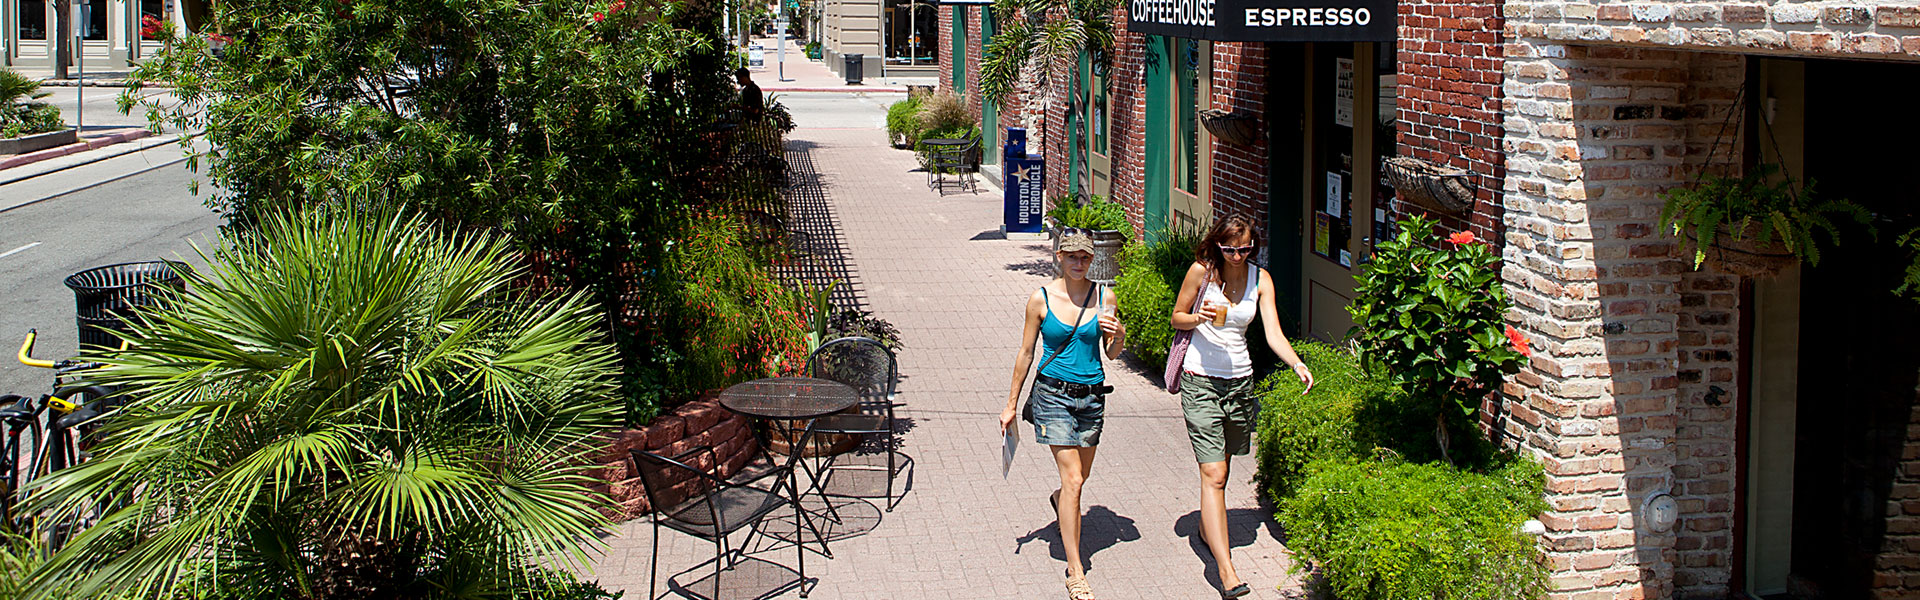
(1265, 20)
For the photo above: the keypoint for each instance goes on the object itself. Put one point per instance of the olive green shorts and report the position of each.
(1220, 415)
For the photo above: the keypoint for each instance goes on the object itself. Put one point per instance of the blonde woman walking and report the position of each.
(1075, 322)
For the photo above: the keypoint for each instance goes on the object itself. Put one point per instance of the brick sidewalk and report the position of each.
(934, 266)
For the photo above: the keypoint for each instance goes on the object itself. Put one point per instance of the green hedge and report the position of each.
(1150, 276)
(1396, 530)
(1296, 430)
(903, 121)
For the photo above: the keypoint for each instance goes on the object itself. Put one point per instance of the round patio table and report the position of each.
(789, 398)
(780, 400)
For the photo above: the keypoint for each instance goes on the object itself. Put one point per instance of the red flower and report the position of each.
(618, 5)
(1519, 341)
(598, 17)
(150, 26)
(215, 37)
(1461, 238)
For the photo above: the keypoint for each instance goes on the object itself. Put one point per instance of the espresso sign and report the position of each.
(1265, 20)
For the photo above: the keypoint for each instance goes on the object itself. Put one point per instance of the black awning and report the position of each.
(1265, 20)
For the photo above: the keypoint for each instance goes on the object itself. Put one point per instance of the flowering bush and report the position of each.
(737, 323)
(1431, 312)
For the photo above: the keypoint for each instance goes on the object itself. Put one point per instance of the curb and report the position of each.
(850, 88)
(90, 144)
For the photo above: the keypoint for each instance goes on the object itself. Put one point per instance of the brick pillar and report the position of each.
(1629, 338)
(1239, 175)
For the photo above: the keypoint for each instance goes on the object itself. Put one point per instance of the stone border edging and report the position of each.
(699, 423)
(83, 146)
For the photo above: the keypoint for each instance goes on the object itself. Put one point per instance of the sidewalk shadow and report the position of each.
(1100, 529)
(1243, 528)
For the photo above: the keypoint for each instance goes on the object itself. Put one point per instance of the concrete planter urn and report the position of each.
(39, 141)
(1106, 251)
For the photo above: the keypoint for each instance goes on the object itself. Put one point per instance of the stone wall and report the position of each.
(1832, 28)
(1628, 338)
(699, 423)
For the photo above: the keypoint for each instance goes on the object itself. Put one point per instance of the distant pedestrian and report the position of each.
(752, 104)
(1074, 321)
(1216, 380)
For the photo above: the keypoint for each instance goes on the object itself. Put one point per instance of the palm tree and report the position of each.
(1036, 38)
(18, 95)
(343, 407)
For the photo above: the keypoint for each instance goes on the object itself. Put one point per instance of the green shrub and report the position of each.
(1150, 276)
(946, 111)
(1390, 530)
(739, 323)
(903, 122)
(1096, 213)
(20, 114)
(1432, 311)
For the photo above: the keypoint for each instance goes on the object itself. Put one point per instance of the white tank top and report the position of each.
(1222, 351)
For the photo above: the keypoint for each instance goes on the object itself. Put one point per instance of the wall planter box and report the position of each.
(1433, 187)
(39, 141)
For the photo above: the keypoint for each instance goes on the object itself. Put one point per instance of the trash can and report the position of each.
(105, 296)
(853, 67)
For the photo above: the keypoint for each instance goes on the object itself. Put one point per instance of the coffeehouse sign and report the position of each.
(1265, 20)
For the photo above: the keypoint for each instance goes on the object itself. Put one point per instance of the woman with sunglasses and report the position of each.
(1216, 382)
(1074, 323)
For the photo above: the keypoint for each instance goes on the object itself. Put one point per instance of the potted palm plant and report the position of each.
(1755, 225)
(1039, 36)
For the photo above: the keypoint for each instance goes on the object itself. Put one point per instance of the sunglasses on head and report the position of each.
(1225, 249)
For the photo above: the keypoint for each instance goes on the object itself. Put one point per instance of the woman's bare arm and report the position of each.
(1190, 289)
(1023, 360)
(1276, 339)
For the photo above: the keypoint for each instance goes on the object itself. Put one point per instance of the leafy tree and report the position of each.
(590, 131)
(343, 406)
(1038, 37)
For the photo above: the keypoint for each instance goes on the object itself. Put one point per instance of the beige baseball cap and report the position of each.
(1075, 241)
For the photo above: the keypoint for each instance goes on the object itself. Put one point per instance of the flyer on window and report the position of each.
(1322, 234)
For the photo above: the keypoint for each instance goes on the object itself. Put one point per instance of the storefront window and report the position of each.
(1385, 138)
(1187, 77)
(33, 19)
(913, 32)
(1100, 93)
(93, 20)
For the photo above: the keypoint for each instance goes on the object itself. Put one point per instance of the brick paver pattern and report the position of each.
(936, 266)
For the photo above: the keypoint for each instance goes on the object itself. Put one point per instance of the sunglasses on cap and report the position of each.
(1236, 250)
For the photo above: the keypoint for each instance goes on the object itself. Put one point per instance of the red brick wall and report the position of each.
(1128, 103)
(1450, 98)
(1239, 84)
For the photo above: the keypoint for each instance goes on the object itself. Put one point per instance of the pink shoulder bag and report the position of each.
(1177, 352)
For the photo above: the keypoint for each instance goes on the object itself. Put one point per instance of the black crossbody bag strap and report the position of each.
(1026, 406)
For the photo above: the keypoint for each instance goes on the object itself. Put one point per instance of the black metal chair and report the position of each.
(870, 369)
(957, 160)
(714, 508)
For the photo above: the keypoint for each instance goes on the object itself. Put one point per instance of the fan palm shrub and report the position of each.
(344, 406)
(21, 112)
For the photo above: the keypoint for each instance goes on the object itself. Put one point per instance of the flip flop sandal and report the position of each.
(1236, 592)
(1054, 501)
(1077, 589)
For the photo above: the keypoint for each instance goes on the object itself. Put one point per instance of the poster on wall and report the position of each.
(1322, 233)
(1334, 195)
(1343, 92)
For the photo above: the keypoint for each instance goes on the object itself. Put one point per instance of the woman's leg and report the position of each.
(1075, 464)
(1213, 520)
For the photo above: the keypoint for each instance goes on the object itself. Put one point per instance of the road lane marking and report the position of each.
(19, 250)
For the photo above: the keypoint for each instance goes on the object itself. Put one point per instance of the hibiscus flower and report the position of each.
(1519, 341)
(1461, 238)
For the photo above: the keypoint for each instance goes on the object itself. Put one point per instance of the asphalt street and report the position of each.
(140, 213)
(836, 110)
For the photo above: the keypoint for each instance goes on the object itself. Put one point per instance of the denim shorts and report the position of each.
(1060, 419)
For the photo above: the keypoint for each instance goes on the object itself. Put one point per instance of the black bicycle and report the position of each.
(47, 435)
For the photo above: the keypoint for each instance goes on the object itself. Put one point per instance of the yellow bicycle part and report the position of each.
(26, 352)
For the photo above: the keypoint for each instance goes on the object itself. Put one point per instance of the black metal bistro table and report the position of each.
(777, 399)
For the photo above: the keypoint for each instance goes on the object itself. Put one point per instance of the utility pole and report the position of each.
(781, 32)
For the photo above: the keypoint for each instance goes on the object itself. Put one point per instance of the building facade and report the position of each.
(895, 38)
(1705, 434)
(109, 31)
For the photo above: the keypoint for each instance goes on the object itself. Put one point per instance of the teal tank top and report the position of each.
(1078, 346)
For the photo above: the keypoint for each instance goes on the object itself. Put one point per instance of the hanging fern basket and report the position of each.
(1746, 257)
